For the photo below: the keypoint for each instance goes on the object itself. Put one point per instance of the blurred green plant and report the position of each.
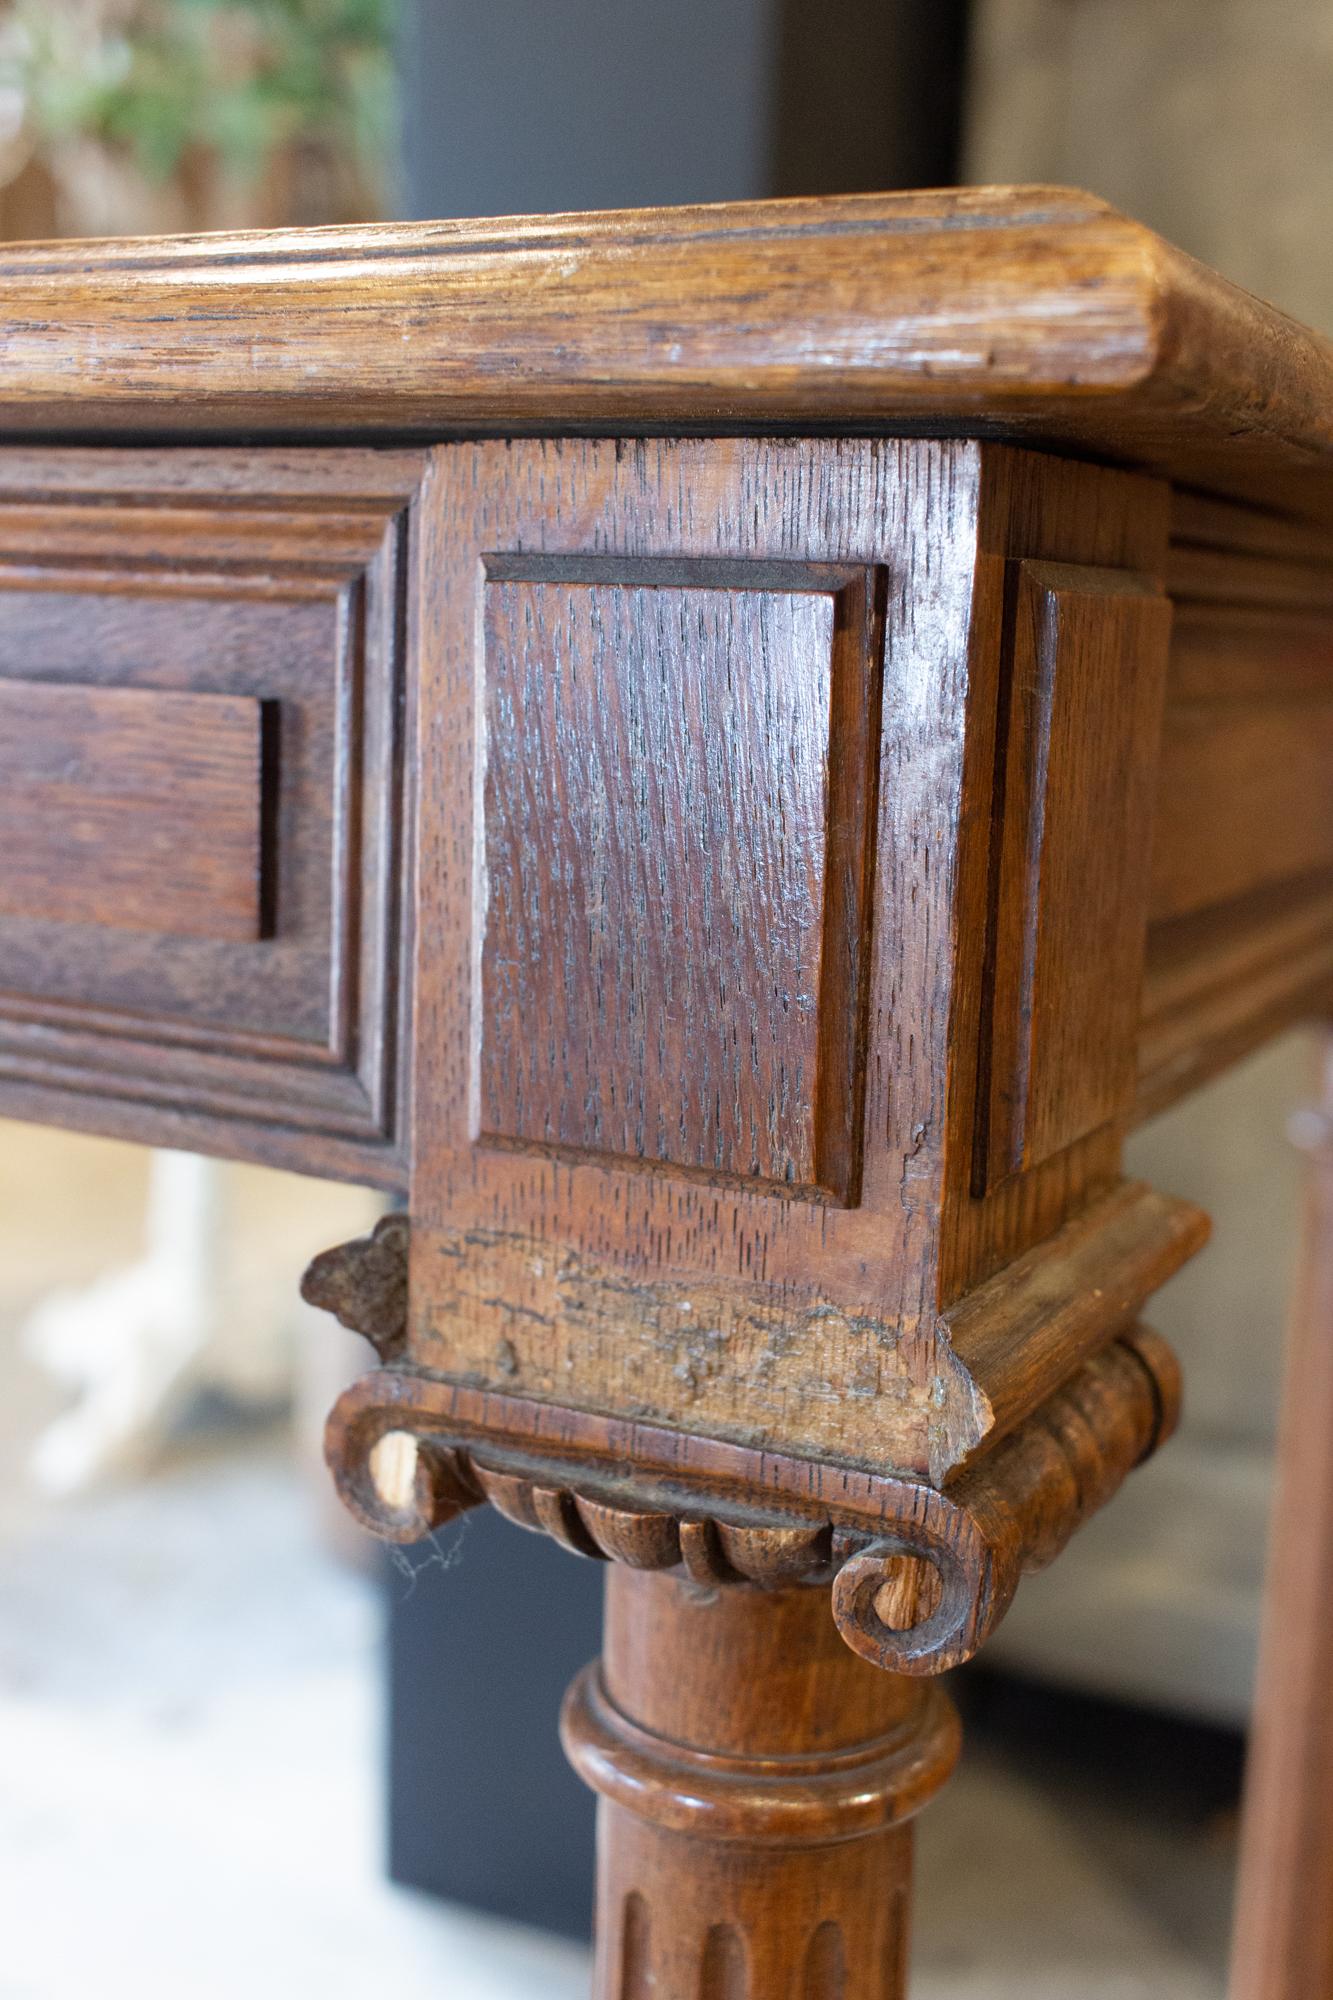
(158, 80)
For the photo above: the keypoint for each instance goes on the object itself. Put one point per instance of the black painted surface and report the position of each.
(483, 1808)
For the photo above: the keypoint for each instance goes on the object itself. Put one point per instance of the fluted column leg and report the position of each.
(755, 1780)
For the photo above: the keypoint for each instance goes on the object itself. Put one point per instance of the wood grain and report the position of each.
(1046, 511)
(1083, 719)
(721, 1307)
(724, 1515)
(159, 583)
(672, 962)
(754, 1781)
(759, 898)
(1037, 313)
(724, 1300)
(1284, 1913)
(131, 808)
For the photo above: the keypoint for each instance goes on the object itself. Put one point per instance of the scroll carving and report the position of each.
(920, 1578)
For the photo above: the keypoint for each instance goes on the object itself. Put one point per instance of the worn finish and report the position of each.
(766, 798)
(364, 1285)
(1030, 1325)
(755, 1779)
(132, 808)
(690, 849)
(1035, 313)
(1284, 1914)
(676, 816)
(641, 1496)
(197, 954)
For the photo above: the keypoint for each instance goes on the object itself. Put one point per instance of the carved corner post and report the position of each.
(1284, 1916)
(782, 875)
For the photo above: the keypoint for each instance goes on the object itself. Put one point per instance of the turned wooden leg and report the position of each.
(756, 1778)
(1284, 1917)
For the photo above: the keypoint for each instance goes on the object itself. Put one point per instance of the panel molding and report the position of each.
(1080, 709)
(289, 1047)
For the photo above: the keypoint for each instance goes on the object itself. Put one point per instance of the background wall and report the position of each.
(530, 106)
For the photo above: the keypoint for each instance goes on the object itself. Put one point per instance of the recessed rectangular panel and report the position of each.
(134, 808)
(1087, 654)
(675, 813)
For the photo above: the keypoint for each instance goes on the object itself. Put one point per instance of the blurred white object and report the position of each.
(139, 1343)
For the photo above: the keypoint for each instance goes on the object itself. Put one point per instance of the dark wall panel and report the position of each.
(514, 106)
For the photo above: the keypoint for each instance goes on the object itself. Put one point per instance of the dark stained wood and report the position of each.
(1240, 939)
(1284, 1915)
(547, 1264)
(1083, 713)
(156, 598)
(364, 1285)
(1036, 312)
(768, 783)
(755, 1782)
(677, 783)
(1040, 510)
(718, 1307)
(408, 1453)
(132, 808)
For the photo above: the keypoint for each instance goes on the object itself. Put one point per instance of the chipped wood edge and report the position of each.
(628, 1493)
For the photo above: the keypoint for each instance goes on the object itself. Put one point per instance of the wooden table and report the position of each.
(727, 755)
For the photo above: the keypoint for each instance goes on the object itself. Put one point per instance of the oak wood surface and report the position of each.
(132, 808)
(1240, 936)
(567, 1243)
(1284, 1914)
(647, 1496)
(141, 593)
(1034, 509)
(1034, 313)
(1075, 789)
(653, 732)
(785, 878)
(755, 1781)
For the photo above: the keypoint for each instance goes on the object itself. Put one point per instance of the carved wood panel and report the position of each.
(214, 962)
(677, 778)
(1082, 710)
(708, 744)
